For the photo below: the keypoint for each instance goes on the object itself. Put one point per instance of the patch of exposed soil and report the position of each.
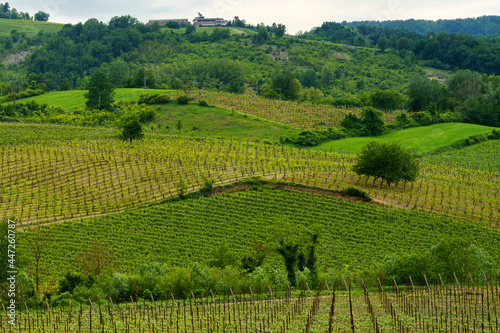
(16, 58)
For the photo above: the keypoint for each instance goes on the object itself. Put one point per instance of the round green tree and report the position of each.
(132, 130)
(101, 92)
(389, 161)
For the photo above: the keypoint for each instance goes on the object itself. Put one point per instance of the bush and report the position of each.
(183, 100)
(356, 192)
(494, 135)
(154, 99)
(203, 103)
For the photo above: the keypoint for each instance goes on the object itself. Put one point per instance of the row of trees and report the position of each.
(474, 96)
(442, 50)
(11, 13)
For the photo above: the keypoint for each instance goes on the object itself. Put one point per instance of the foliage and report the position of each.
(132, 130)
(388, 161)
(372, 121)
(356, 192)
(154, 99)
(101, 92)
(386, 99)
(183, 99)
(287, 86)
(96, 260)
(255, 256)
(451, 255)
(41, 16)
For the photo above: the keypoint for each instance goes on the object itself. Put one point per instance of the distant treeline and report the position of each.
(442, 50)
(477, 27)
(7, 13)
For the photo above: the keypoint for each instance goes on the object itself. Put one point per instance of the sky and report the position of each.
(297, 15)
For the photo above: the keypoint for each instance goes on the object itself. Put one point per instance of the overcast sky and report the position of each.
(295, 14)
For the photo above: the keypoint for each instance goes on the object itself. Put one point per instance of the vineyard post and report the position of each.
(456, 280)
(152, 299)
(472, 281)
(234, 299)
(192, 294)
(3, 306)
(413, 287)
(428, 288)
(213, 298)
(328, 288)
(485, 279)
(271, 292)
(112, 303)
(381, 290)
(70, 307)
(251, 292)
(442, 283)
(397, 288)
(171, 294)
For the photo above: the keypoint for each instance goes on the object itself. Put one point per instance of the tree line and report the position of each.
(6, 12)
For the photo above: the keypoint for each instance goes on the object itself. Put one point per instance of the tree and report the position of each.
(95, 261)
(287, 86)
(389, 161)
(190, 29)
(280, 30)
(37, 243)
(173, 25)
(118, 72)
(372, 120)
(132, 130)
(465, 84)
(42, 16)
(383, 43)
(101, 92)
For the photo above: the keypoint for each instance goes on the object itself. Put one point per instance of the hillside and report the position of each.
(30, 28)
(422, 140)
(352, 233)
(487, 25)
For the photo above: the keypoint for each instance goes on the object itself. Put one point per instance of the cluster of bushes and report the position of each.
(449, 256)
(154, 99)
(83, 117)
(309, 138)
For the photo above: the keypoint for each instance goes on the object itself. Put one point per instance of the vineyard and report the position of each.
(179, 233)
(47, 181)
(302, 115)
(447, 308)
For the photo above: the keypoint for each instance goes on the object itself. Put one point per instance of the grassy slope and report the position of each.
(31, 28)
(420, 139)
(74, 98)
(211, 121)
(214, 121)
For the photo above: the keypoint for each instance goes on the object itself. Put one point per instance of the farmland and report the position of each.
(444, 309)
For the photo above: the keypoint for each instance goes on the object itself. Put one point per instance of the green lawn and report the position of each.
(420, 139)
(213, 121)
(31, 28)
(74, 98)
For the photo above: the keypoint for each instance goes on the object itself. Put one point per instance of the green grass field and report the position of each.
(31, 28)
(422, 140)
(72, 99)
(213, 121)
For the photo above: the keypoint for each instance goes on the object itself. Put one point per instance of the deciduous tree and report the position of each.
(389, 161)
(101, 92)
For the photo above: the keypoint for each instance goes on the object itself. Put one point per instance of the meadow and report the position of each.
(421, 140)
(31, 28)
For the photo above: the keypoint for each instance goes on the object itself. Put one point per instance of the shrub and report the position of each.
(356, 192)
(203, 103)
(183, 100)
